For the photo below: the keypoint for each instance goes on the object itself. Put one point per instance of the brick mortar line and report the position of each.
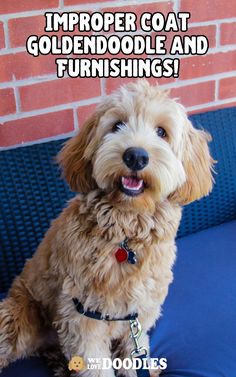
(75, 7)
(176, 6)
(108, 4)
(199, 80)
(211, 51)
(6, 34)
(61, 4)
(75, 118)
(210, 104)
(218, 34)
(217, 82)
(28, 81)
(103, 85)
(17, 100)
(12, 50)
(48, 110)
(70, 134)
(213, 22)
(215, 50)
(39, 141)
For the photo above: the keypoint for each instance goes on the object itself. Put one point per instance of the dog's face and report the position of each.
(139, 148)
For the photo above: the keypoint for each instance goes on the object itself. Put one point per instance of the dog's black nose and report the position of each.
(135, 158)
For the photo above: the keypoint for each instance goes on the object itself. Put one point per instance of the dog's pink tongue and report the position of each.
(131, 182)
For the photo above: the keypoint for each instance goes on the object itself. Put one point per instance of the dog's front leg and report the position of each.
(124, 349)
(22, 326)
(85, 339)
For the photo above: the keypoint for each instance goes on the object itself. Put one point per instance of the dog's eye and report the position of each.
(161, 132)
(117, 126)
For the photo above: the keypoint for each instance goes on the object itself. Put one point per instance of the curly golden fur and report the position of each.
(76, 257)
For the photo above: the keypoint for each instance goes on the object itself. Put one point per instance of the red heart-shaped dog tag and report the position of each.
(121, 255)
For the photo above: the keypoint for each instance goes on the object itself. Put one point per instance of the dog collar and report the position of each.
(125, 254)
(97, 315)
(135, 332)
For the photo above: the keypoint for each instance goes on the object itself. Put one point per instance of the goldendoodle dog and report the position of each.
(110, 253)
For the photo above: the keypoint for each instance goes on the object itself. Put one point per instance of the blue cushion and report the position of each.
(197, 332)
(33, 367)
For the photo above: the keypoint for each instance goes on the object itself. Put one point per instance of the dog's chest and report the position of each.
(118, 287)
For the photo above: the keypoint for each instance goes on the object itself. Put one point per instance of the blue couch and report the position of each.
(197, 330)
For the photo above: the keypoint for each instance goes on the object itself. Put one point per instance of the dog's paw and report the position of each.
(127, 373)
(3, 364)
(152, 374)
(155, 373)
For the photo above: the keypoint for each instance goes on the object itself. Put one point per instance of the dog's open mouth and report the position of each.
(131, 185)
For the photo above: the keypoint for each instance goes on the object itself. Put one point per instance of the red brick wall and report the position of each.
(35, 105)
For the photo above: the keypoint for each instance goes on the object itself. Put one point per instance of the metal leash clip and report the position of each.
(136, 331)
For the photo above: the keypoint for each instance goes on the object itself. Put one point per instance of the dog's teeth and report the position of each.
(131, 183)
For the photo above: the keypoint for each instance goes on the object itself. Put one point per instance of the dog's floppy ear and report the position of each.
(198, 166)
(75, 157)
